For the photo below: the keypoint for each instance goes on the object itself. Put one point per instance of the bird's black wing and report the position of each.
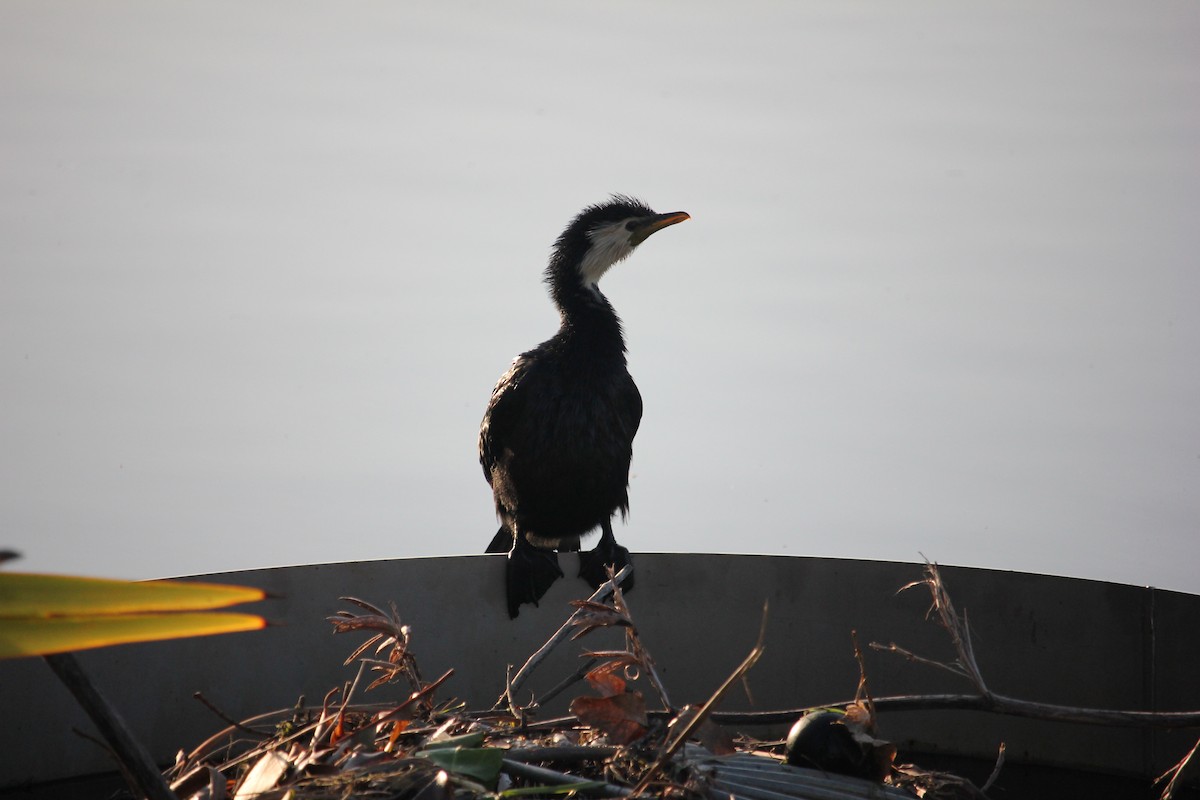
(504, 411)
(632, 412)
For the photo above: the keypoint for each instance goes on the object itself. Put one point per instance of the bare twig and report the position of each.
(908, 655)
(634, 642)
(567, 682)
(521, 769)
(1164, 720)
(956, 626)
(228, 720)
(562, 633)
(995, 770)
(863, 693)
(126, 775)
(561, 753)
(149, 781)
(705, 710)
(1179, 774)
(965, 665)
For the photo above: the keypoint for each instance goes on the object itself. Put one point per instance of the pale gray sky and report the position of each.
(263, 263)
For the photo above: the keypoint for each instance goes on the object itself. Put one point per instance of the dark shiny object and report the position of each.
(557, 437)
(821, 740)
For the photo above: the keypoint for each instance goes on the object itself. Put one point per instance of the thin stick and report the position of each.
(705, 710)
(863, 694)
(562, 633)
(1179, 773)
(958, 628)
(909, 655)
(995, 770)
(126, 775)
(148, 780)
(561, 753)
(228, 720)
(965, 665)
(635, 643)
(996, 704)
(568, 681)
(536, 773)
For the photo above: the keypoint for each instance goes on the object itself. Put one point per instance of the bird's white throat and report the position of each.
(610, 244)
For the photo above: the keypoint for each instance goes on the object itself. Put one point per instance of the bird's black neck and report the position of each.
(588, 322)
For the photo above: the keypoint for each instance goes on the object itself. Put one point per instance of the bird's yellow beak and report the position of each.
(656, 223)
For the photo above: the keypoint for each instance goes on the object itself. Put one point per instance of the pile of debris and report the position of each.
(611, 745)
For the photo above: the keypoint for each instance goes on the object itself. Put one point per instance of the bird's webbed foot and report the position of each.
(530, 572)
(593, 564)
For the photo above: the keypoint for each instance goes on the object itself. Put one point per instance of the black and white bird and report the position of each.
(557, 436)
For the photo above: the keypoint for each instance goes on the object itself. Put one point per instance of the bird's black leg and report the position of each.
(530, 572)
(593, 563)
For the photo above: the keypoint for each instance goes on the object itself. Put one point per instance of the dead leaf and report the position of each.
(622, 717)
(264, 776)
(590, 615)
(203, 781)
(605, 680)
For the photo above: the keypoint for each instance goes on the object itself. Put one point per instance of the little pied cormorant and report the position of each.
(557, 436)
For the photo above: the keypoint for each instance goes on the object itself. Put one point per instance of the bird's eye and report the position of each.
(629, 226)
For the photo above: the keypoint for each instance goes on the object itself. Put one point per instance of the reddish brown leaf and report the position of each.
(338, 730)
(622, 717)
(604, 680)
(397, 729)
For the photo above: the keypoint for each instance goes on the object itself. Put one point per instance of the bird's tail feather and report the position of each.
(502, 542)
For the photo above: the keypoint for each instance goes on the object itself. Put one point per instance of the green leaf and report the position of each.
(44, 635)
(44, 614)
(481, 763)
(31, 595)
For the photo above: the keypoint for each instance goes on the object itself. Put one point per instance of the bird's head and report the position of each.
(603, 234)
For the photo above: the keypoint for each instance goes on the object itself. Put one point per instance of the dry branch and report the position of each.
(1163, 720)
(700, 716)
(134, 759)
(1187, 769)
(508, 698)
(965, 665)
(634, 643)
